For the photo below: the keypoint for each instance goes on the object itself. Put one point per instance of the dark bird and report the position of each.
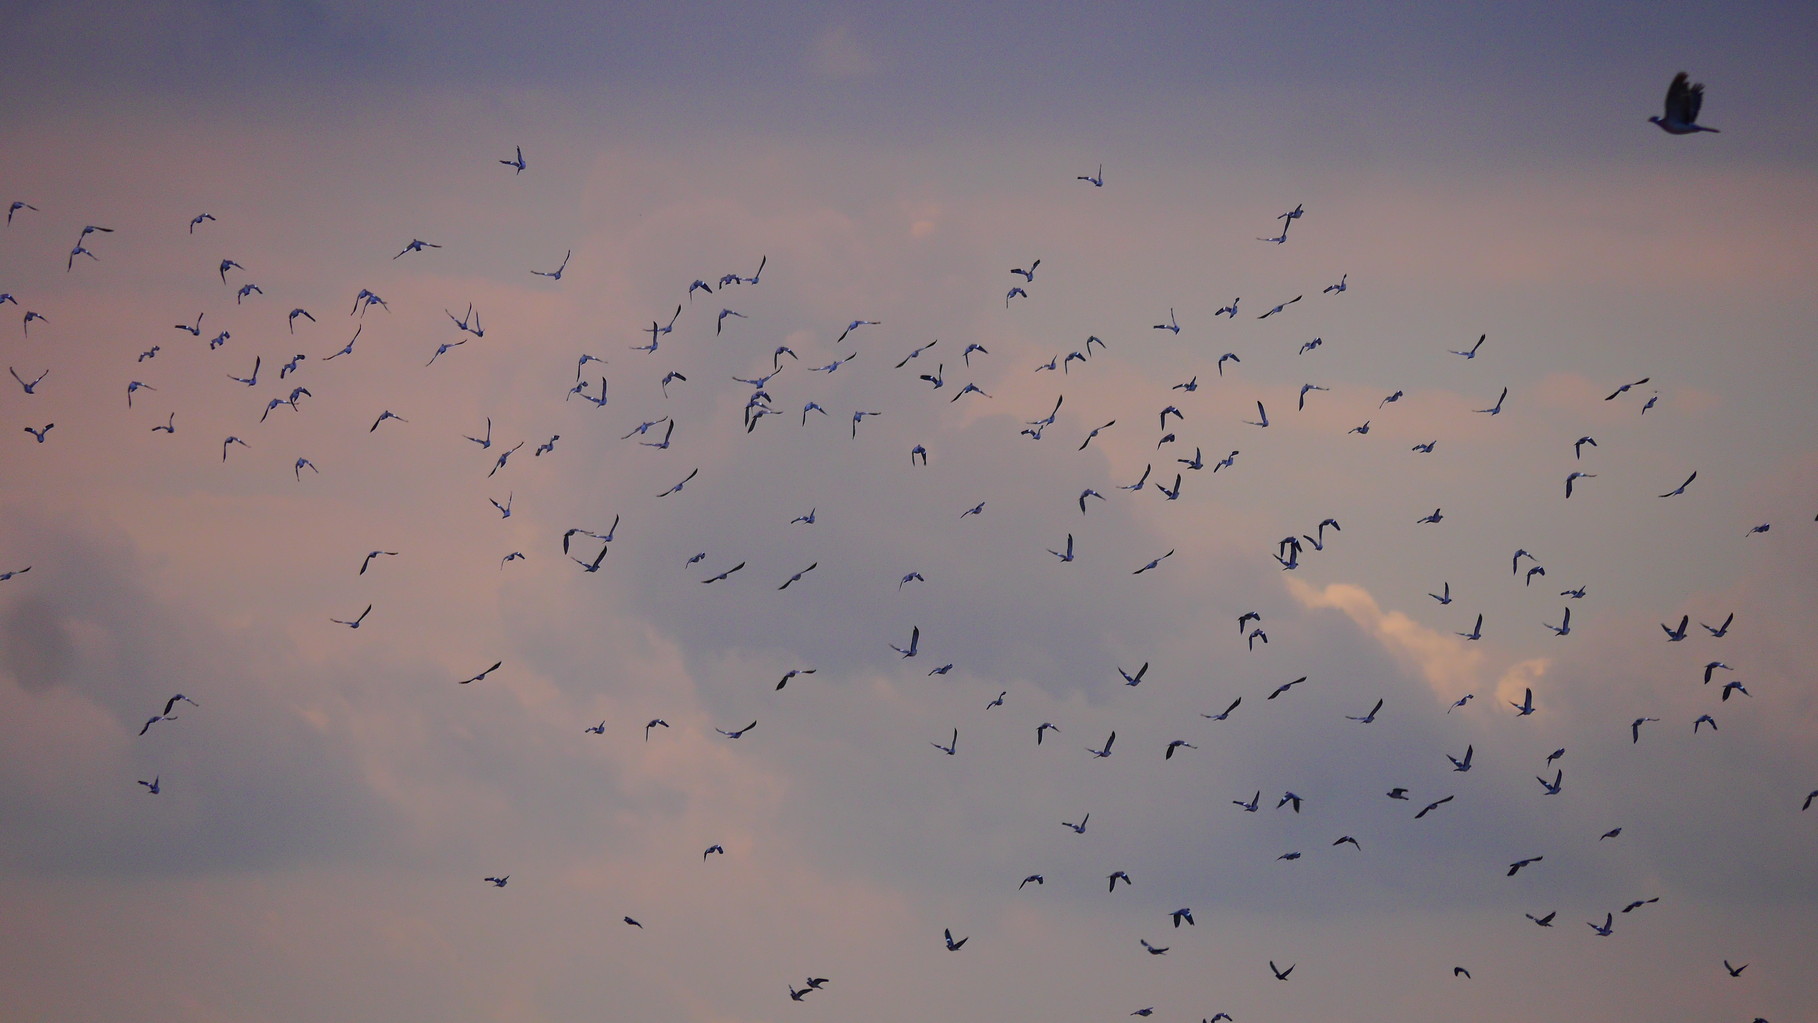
(1430, 807)
(483, 674)
(1684, 98)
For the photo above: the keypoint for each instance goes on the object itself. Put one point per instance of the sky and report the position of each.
(852, 185)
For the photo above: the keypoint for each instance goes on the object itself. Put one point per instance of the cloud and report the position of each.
(1446, 664)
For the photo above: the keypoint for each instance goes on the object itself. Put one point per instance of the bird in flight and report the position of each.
(739, 733)
(1102, 753)
(954, 946)
(1496, 409)
(1684, 98)
(556, 274)
(516, 162)
(1680, 489)
(1470, 353)
(483, 674)
(356, 622)
(1430, 807)
(915, 639)
(1366, 718)
(1097, 179)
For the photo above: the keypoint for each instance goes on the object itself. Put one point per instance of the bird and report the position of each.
(197, 220)
(1553, 786)
(497, 882)
(1106, 750)
(1543, 921)
(723, 575)
(791, 673)
(1281, 974)
(516, 163)
(1526, 706)
(915, 639)
(1577, 476)
(1080, 828)
(1398, 793)
(1445, 594)
(1430, 807)
(797, 577)
(951, 746)
(1435, 517)
(1680, 489)
(1638, 903)
(483, 674)
(1720, 631)
(1603, 931)
(1734, 971)
(1154, 950)
(633, 923)
(1173, 745)
(1095, 432)
(418, 245)
(556, 274)
(1704, 719)
(1029, 274)
(1284, 687)
(1287, 798)
(599, 729)
(1470, 353)
(1156, 562)
(1226, 712)
(1675, 635)
(652, 723)
(1684, 98)
(38, 434)
(1097, 178)
(677, 488)
(356, 622)
(1284, 305)
(737, 733)
(30, 388)
(151, 788)
(1518, 864)
(1136, 679)
(1171, 325)
(1459, 971)
(154, 719)
(954, 946)
(1476, 632)
(1578, 446)
(1495, 409)
(1116, 876)
(16, 207)
(1068, 556)
(1366, 718)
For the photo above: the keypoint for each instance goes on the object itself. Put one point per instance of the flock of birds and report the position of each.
(587, 547)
